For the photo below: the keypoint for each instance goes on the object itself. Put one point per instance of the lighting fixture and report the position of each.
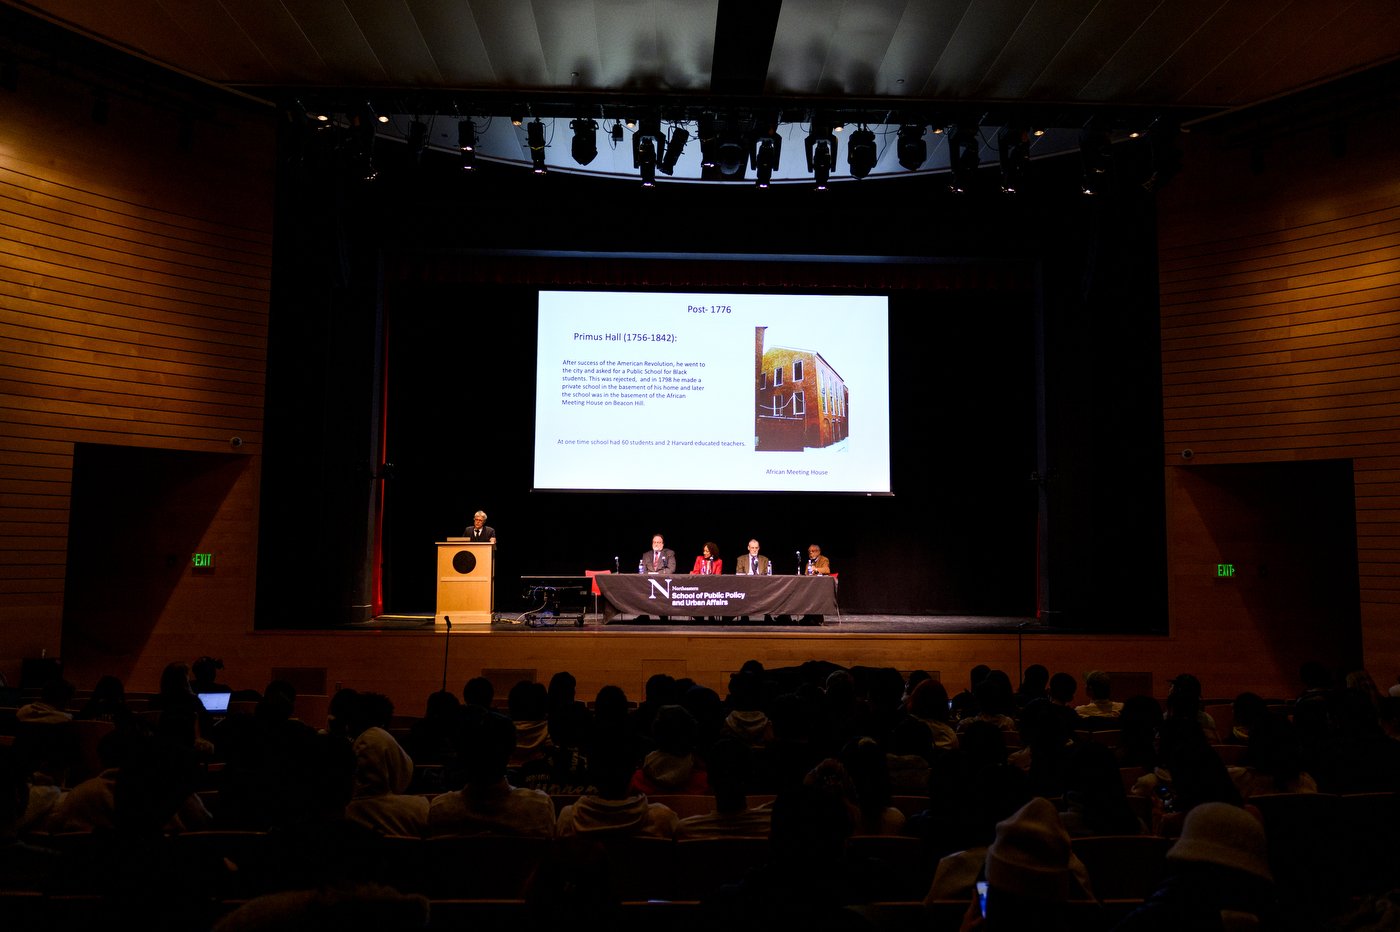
(838, 126)
(648, 147)
(767, 153)
(466, 141)
(820, 145)
(585, 144)
(1038, 131)
(534, 134)
(616, 133)
(517, 119)
(631, 122)
(731, 152)
(706, 131)
(1096, 157)
(861, 153)
(964, 155)
(679, 136)
(1014, 151)
(910, 147)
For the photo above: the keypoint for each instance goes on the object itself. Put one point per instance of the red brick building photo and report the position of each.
(800, 401)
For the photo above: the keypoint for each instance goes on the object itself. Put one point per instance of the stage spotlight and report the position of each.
(631, 122)
(767, 153)
(911, 148)
(706, 131)
(466, 141)
(964, 154)
(616, 133)
(644, 153)
(585, 144)
(534, 134)
(838, 126)
(1038, 131)
(1014, 150)
(517, 119)
(679, 137)
(417, 138)
(730, 151)
(861, 153)
(1096, 157)
(820, 145)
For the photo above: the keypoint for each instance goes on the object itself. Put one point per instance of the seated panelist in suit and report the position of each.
(658, 559)
(709, 562)
(817, 565)
(752, 563)
(479, 531)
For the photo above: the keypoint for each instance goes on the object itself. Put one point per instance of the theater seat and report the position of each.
(478, 866)
(686, 805)
(641, 868)
(702, 864)
(1123, 867)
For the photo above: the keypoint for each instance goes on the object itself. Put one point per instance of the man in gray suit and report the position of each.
(752, 563)
(658, 559)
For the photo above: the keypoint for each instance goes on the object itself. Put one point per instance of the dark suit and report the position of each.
(482, 534)
(648, 561)
(741, 565)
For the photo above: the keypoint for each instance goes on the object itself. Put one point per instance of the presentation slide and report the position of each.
(712, 392)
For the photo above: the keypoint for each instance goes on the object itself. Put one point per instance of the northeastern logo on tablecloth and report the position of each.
(681, 596)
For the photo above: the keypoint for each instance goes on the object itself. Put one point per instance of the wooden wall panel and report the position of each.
(134, 286)
(1280, 303)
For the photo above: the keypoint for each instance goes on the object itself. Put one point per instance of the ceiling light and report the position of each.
(534, 134)
(631, 122)
(911, 148)
(517, 119)
(861, 153)
(838, 126)
(679, 137)
(323, 117)
(1014, 152)
(1038, 131)
(820, 145)
(964, 155)
(585, 144)
(383, 118)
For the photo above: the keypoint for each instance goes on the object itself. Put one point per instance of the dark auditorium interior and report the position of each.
(271, 274)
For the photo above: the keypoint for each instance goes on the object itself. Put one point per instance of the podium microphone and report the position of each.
(446, 643)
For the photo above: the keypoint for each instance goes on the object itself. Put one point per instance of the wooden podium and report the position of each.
(466, 582)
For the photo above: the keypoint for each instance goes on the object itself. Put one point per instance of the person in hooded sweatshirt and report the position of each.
(672, 768)
(615, 810)
(529, 709)
(746, 721)
(730, 774)
(488, 803)
(383, 771)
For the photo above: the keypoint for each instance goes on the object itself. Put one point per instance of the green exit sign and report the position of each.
(1224, 569)
(202, 559)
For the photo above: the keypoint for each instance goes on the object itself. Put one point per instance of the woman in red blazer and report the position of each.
(708, 563)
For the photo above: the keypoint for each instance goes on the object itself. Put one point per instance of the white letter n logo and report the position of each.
(662, 586)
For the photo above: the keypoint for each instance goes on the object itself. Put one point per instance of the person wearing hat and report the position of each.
(1031, 873)
(1217, 876)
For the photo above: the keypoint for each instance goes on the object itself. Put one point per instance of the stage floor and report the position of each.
(844, 624)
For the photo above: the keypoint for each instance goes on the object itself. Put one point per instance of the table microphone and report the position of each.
(799, 562)
(617, 567)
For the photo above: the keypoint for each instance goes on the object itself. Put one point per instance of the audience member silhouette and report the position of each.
(487, 802)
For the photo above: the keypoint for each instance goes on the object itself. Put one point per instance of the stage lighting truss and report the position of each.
(766, 154)
(648, 148)
(731, 151)
(585, 144)
(820, 146)
(910, 147)
(1014, 151)
(861, 152)
(1096, 157)
(679, 137)
(534, 134)
(964, 155)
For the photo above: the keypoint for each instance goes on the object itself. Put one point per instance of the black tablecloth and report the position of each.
(716, 595)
